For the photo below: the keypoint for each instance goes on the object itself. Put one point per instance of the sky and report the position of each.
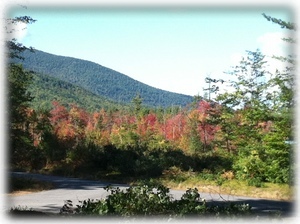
(170, 48)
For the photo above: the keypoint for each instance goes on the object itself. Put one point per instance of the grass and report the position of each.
(216, 184)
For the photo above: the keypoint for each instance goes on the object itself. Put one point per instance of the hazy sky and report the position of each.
(169, 48)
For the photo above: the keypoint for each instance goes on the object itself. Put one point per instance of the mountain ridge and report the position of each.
(100, 80)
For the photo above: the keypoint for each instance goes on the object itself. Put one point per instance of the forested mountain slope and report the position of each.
(100, 80)
(46, 89)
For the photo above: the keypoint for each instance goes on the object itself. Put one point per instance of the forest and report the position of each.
(244, 135)
(45, 89)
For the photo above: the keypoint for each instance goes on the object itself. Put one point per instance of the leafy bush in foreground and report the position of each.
(145, 200)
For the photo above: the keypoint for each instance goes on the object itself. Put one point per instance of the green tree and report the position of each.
(227, 120)
(15, 48)
(278, 153)
(249, 97)
(137, 105)
(283, 24)
(247, 107)
(212, 88)
(284, 80)
(18, 97)
(263, 104)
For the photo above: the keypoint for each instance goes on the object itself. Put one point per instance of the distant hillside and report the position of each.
(46, 89)
(100, 80)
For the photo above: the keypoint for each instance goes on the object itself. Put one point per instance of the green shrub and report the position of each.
(256, 182)
(207, 175)
(153, 200)
(220, 180)
(250, 167)
(278, 157)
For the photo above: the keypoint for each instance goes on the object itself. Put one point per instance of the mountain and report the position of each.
(46, 89)
(100, 80)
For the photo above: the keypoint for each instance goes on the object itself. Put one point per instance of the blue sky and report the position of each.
(169, 48)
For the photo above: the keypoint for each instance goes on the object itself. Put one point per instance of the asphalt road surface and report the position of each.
(75, 189)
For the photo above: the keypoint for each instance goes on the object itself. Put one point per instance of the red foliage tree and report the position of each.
(147, 125)
(201, 120)
(69, 126)
(174, 127)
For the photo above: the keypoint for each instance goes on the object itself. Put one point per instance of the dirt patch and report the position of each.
(20, 193)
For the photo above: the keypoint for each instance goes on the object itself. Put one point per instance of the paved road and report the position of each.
(75, 189)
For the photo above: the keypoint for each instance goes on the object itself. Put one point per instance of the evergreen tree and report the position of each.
(18, 99)
(279, 151)
(283, 24)
(263, 105)
(137, 105)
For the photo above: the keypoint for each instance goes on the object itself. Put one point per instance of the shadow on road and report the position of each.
(264, 207)
(66, 182)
